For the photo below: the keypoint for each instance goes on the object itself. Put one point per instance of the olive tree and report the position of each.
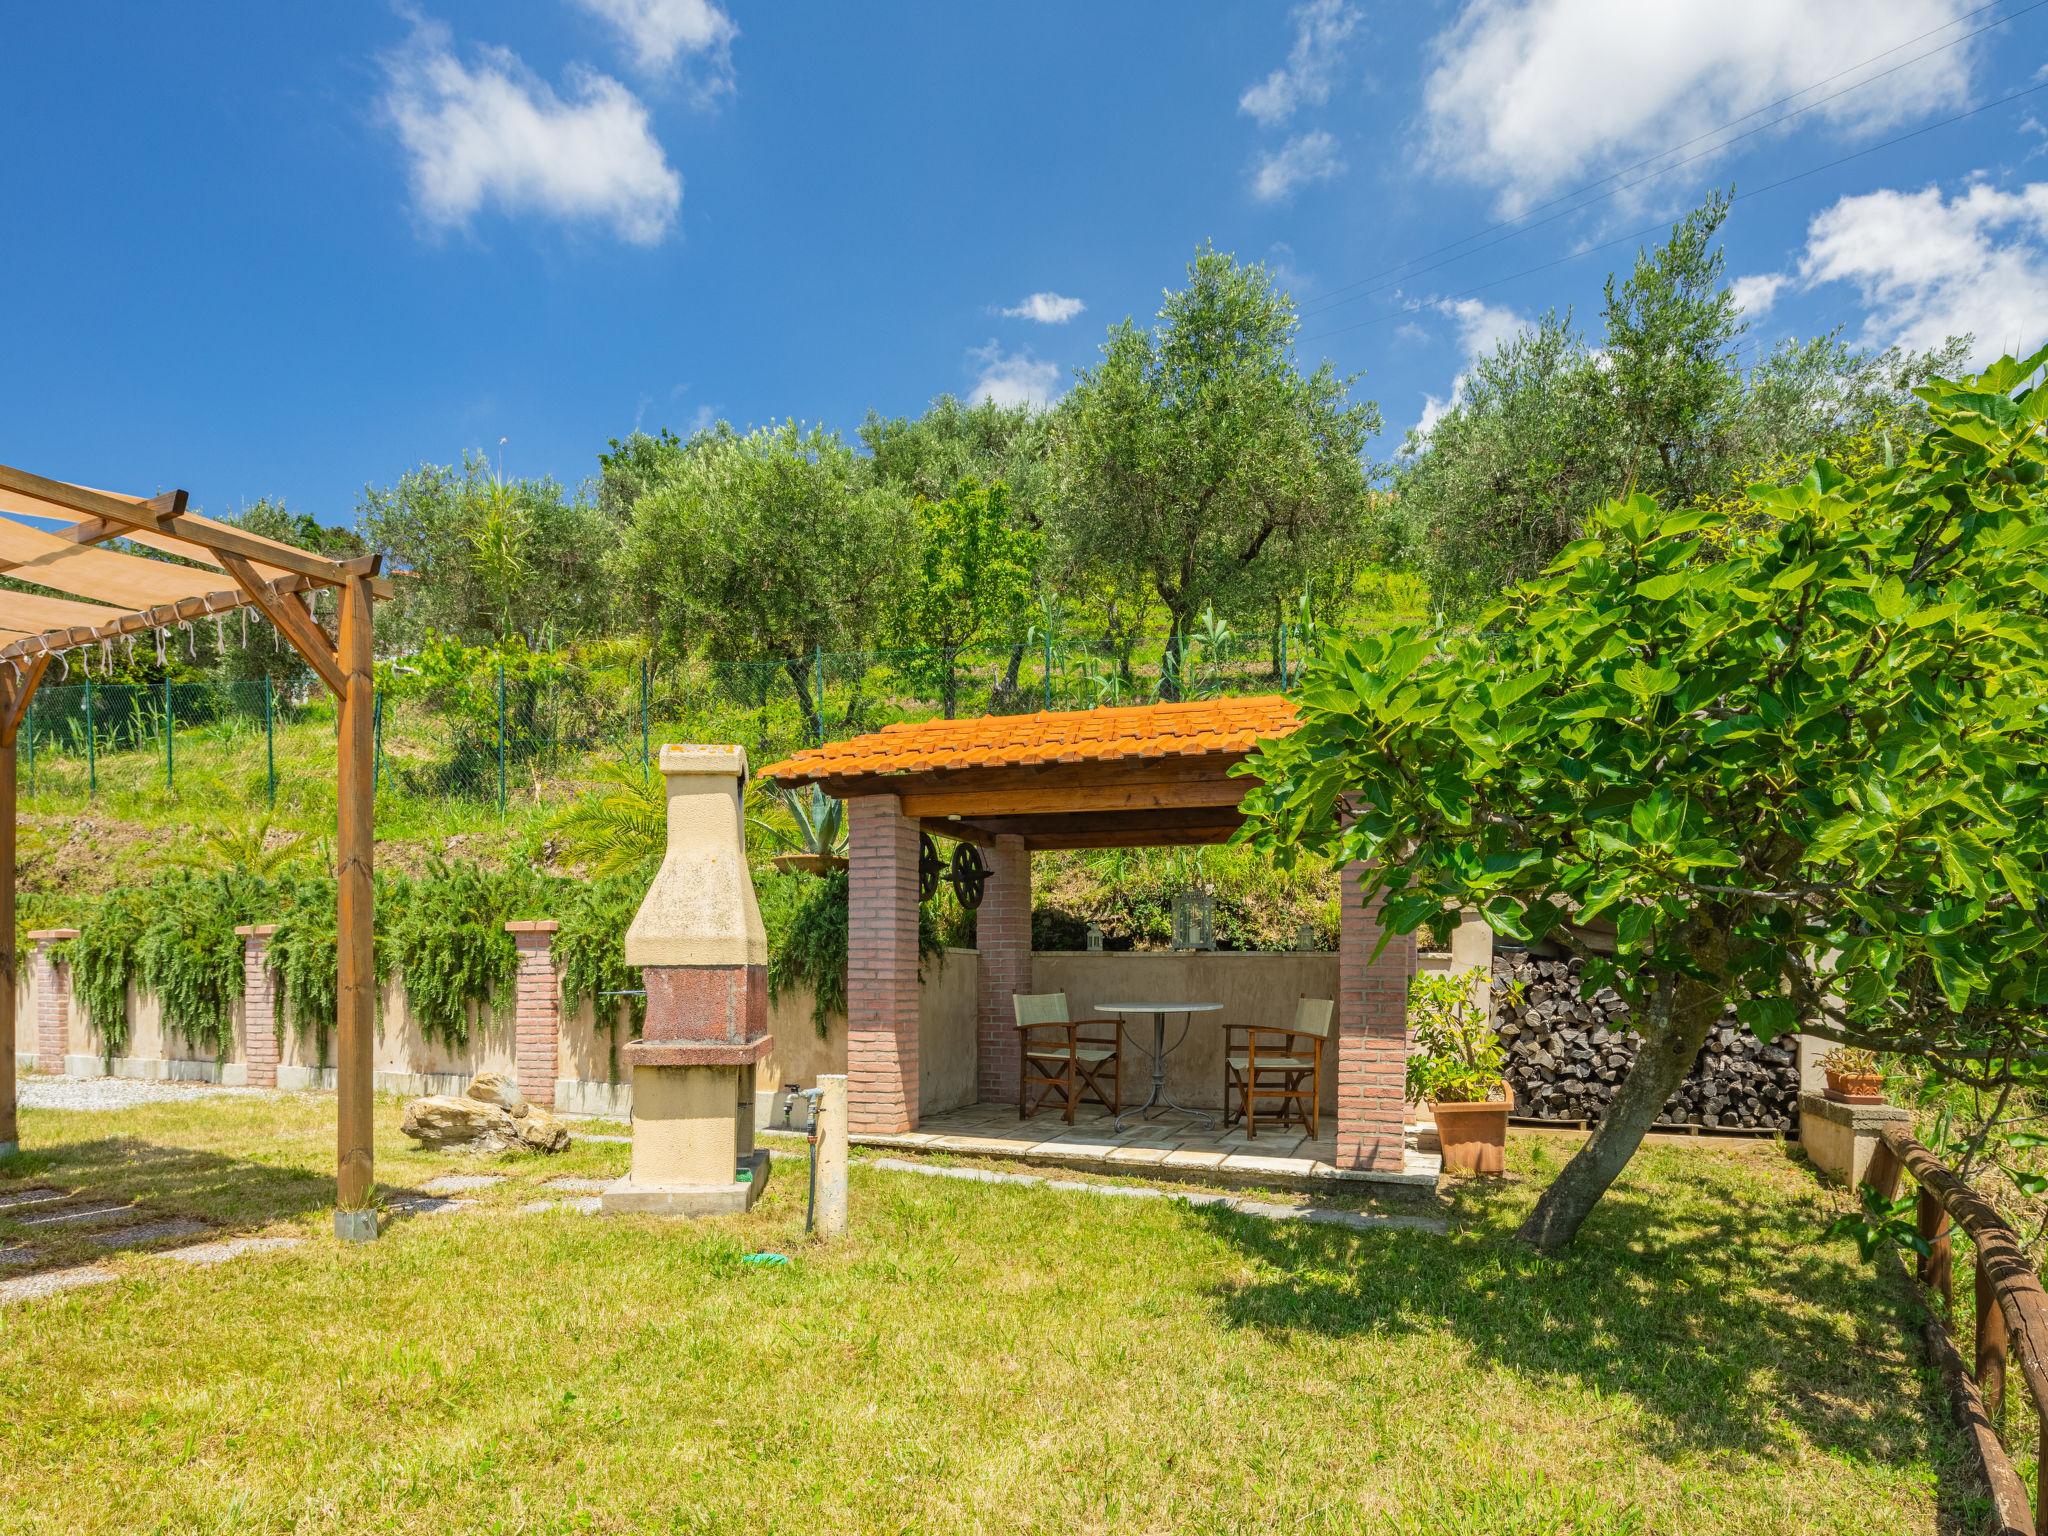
(766, 547)
(1792, 751)
(1198, 460)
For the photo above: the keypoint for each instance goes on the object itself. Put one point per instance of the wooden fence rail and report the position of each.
(2012, 1318)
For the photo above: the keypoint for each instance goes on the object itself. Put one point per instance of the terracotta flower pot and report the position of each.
(1855, 1087)
(1474, 1137)
(810, 863)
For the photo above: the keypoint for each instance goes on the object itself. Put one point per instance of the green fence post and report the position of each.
(269, 741)
(818, 689)
(501, 738)
(646, 688)
(377, 741)
(92, 766)
(170, 737)
(1283, 655)
(1048, 668)
(31, 723)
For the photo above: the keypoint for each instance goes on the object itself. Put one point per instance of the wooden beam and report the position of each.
(218, 538)
(292, 621)
(982, 803)
(1136, 837)
(355, 844)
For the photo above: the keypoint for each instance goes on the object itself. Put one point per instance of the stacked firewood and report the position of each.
(1566, 1055)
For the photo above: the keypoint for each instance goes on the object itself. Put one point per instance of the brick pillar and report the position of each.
(52, 981)
(1002, 931)
(537, 1017)
(1372, 1035)
(259, 1006)
(881, 967)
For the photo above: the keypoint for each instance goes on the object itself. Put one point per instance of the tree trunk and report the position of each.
(1674, 1029)
(949, 690)
(799, 672)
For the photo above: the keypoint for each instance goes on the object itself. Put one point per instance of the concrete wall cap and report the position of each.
(704, 758)
(1856, 1116)
(534, 925)
(52, 935)
(248, 931)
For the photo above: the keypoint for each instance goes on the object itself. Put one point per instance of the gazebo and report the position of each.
(1147, 775)
(104, 596)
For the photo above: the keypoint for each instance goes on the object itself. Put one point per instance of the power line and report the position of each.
(1651, 229)
(1519, 225)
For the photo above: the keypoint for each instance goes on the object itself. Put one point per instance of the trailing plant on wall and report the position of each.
(103, 963)
(448, 939)
(590, 951)
(189, 956)
(810, 949)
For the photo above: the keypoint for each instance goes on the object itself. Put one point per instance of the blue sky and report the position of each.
(271, 250)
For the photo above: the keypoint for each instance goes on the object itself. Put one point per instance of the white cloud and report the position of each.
(1927, 269)
(1321, 28)
(658, 33)
(1755, 293)
(494, 133)
(1530, 95)
(1014, 378)
(1304, 158)
(1046, 308)
(1482, 327)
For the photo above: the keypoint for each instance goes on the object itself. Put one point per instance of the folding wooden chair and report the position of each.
(1056, 1059)
(1278, 1065)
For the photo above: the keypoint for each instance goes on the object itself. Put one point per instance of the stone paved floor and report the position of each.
(1172, 1144)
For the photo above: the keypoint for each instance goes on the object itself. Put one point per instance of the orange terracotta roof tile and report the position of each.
(1197, 728)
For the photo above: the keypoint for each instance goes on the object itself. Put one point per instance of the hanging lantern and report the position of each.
(1194, 920)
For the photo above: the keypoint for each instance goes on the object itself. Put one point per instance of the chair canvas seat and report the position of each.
(1061, 1053)
(1288, 1063)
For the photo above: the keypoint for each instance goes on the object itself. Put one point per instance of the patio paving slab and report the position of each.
(425, 1205)
(35, 1194)
(583, 1205)
(460, 1183)
(150, 1232)
(51, 1281)
(105, 1211)
(230, 1248)
(17, 1253)
(577, 1186)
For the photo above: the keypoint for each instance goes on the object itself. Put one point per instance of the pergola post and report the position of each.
(16, 689)
(10, 1134)
(1002, 934)
(1372, 1034)
(354, 854)
(881, 967)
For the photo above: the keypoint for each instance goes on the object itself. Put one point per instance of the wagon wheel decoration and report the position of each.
(930, 867)
(969, 876)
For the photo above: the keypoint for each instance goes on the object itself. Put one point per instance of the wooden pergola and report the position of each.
(94, 596)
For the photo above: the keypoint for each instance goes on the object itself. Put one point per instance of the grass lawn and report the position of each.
(972, 1358)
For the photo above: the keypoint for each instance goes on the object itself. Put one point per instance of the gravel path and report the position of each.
(120, 1092)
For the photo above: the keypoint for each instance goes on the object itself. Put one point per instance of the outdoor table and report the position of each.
(1158, 1099)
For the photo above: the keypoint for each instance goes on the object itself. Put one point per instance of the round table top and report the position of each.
(1159, 1007)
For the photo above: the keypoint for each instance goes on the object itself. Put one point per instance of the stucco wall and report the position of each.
(1253, 989)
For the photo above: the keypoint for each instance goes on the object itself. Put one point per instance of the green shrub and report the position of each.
(810, 948)
(448, 941)
(590, 947)
(103, 962)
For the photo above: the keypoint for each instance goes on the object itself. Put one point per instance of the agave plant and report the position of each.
(819, 822)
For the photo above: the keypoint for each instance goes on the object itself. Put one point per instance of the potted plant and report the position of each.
(1853, 1077)
(1455, 1068)
(818, 831)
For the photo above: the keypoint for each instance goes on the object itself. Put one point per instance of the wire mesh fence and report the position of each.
(511, 736)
